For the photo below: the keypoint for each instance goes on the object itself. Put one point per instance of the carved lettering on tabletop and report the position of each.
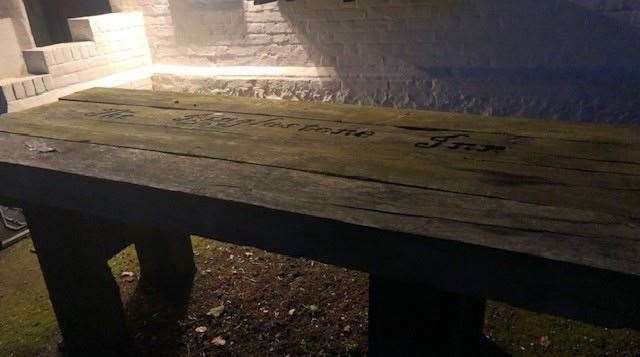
(219, 120)
(111, 113)
(227, 120)
(447, 141)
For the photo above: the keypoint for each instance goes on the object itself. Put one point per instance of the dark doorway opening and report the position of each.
(48, 18)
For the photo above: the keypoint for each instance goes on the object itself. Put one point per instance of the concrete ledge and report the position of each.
(139, 78)
(246, 71)
(566, 94)
(87, 28)
(13, 89)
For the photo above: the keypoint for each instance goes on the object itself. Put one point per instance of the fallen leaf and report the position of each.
(216, 311)
(40, 147)
(201, 329)
(545, 342)
(219, 341)
(128, 276)
(292, 311)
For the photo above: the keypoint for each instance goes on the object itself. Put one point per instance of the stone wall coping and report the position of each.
(108, 15)
(60, 45)
(246, 71)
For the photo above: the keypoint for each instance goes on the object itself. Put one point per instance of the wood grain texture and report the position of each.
(416, 195)
(366, 114)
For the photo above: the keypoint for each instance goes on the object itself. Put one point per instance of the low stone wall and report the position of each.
(104, 46)
(565, 97)
(138, 78)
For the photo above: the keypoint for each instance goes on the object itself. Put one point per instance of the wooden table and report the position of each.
(443, 210)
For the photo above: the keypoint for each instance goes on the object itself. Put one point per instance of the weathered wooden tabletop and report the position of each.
(563, 192)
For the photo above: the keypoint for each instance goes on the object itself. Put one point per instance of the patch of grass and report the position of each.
(524, 333)
(126, 260)
(27, 322)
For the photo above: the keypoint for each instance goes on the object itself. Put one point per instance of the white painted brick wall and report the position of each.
(486, 56)
(383, 35)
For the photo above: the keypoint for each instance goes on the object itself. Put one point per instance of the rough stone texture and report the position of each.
(566, 100)
(572, 59)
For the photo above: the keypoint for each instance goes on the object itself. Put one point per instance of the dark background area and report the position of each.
(48, 18)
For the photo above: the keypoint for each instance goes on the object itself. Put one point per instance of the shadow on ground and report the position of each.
(268, 305)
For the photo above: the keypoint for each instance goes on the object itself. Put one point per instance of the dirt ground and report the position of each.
(247, 302)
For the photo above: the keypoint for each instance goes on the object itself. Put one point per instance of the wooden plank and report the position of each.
(531, 216)
(584, 155)
(387, 176)
(141, 181)
(409, 118)
(610, 242)
(518, 173)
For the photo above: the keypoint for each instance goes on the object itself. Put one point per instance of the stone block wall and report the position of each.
(569, 59)
(107, 50)
(14, 89)
(451, 33)
(104, 45)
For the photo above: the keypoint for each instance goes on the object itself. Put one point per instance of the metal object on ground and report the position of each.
(13, 226)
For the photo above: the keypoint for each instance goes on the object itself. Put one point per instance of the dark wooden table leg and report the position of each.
(166, 261)
(409, 319)
(72, 253)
